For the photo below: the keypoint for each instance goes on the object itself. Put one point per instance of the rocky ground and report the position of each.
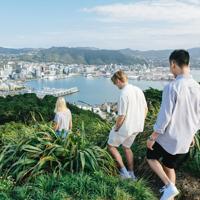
(189, 186)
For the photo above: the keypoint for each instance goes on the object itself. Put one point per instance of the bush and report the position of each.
(193, 163)
(28, 109)
(95, 186)
(43, 151)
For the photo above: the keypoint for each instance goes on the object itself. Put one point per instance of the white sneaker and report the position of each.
(169, 191)
(133, 177)
(124, 175)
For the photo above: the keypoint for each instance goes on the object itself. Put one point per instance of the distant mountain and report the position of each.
(83, 56)
(161, 57)
(7, 51)
(91, 55)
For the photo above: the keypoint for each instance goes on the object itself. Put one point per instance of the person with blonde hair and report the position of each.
(63, 118)
(132, 110)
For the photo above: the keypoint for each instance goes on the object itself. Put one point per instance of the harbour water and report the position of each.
(96, 90)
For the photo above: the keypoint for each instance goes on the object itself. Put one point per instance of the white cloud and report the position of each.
(174, 11)
(155, 24)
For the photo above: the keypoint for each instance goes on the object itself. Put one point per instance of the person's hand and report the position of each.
(116, 129)
(150, 144)
(193, 143)
(151, 140)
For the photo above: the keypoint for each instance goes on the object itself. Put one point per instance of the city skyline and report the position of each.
(105, 24)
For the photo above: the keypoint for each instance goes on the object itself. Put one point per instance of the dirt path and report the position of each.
(189, 186)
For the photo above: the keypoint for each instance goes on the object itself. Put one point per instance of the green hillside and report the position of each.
(37, 164)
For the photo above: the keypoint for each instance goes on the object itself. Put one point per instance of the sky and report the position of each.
(104, 24)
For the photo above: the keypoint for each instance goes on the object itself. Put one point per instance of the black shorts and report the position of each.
(168, 160)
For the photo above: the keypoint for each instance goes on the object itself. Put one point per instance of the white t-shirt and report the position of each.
(63, 120)
(132, 105)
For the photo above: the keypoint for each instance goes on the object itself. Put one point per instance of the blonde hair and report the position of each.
(60, 105)
(120, 75)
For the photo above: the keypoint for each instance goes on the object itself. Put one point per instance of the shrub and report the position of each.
(44, 151)
(193, 164)
(95, 186)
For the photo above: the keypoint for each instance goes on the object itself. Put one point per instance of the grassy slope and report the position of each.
(76, 187)
(12, 109)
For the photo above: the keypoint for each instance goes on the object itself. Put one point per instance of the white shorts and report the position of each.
(116, 140)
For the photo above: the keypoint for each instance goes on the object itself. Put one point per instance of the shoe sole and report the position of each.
(173, 195)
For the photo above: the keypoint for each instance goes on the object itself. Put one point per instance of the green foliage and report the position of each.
(14, 132)
(29, 149)
(193, 164)
(97, 130)
(43, 151)
(81, 186)
(28, 109)
(153, 97)
(25, 108)
(6, 184)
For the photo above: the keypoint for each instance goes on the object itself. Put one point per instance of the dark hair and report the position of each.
(181, 57)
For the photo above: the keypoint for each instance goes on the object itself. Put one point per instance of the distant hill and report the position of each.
(82, 56)
(162, 56)
(91, 55)
(8, 51)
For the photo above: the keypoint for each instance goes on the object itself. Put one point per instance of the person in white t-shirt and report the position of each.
(63, 118)
(132, 110)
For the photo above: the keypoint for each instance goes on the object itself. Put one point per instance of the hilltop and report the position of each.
(90, 56)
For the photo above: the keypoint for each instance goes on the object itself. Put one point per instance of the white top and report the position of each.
(132, 105)
(63, 120)
(179, 116)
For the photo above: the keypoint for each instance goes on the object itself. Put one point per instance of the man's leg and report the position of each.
(129, 157)
(115, 153)
(128, 152)
(158, 169)
(169, 190)
(170, 173)
(115, 141)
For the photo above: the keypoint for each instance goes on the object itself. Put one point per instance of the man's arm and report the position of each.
(151, 140)
(119, 122)
(167, 106)
(164, 116)
(122, 107)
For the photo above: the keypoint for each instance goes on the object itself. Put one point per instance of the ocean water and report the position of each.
(96, 90)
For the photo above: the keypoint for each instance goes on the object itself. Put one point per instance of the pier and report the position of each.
(41, 93)
(55, 92)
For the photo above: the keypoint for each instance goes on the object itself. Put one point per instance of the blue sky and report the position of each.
(105, 24)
